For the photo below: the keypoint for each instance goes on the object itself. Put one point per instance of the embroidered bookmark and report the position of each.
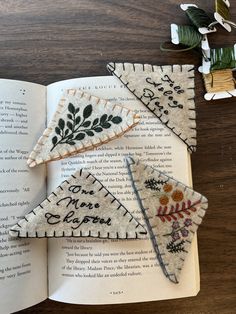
(81, 122)
(172, 212)
(167, 91)
(80, 207)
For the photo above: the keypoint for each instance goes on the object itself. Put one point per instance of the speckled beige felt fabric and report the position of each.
(167, 91)
(80, 207)
(172, 212)
(80, 123)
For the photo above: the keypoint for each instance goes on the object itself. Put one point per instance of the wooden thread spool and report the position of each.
(219, 81)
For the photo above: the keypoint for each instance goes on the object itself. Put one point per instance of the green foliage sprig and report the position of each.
(77, 127)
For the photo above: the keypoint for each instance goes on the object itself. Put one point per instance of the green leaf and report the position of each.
(80, 136)
(54, 140)
(110, 117)
(106, 125)
(116, 120)
(57, 130)
(66, 132)
(89, 133)
(87, 111)
(61, 124)
(86, 124)
(103, 118)
(77, 110)
(69, 116)
(71, 143)
(77, 120)
(70, 137)
(98, 129)
(95, 121)
(70, 125)
(71, 108)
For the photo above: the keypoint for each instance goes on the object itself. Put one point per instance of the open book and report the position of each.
(81, 270)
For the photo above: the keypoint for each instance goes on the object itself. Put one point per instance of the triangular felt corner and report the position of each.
(172, 212)
(80, 207)
(81, 122)
(167, 91)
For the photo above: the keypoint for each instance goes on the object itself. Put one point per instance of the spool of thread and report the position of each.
(219, 81)
(198, 17)
(187, 36)
(222, 9)
(222, 58)
(222, 15)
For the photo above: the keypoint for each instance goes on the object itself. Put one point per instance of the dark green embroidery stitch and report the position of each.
(153, 184)
(79, 126)
(176, 247)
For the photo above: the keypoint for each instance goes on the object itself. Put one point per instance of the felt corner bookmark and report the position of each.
(167, 91)
(173, 213)
(81, 122)
(80, 207)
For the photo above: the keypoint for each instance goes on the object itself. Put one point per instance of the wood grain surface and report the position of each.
(46, 41)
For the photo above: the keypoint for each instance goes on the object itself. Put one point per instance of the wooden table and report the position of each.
(46, 41)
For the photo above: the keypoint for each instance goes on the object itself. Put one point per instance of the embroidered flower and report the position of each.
(188, 222)
(184, 232)
(175, 236)
(175, 225)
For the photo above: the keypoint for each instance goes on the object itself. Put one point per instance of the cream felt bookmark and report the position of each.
(81, 122)
(80, 207)
(167, 91)
(172, 212)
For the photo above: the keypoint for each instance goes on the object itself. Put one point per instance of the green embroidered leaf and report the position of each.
(95, 121)
(77, 120)
(57, 130)
(86, 124)
(89, 133)
(70, 125)
(116, 120)
(70, 137)
(87, 111)
(71, 108)
(110, 117)
(98, 129)
(103, 118)
(66, 132)
(61, 124)
(80, 136)
(71, 143)
(54, 140)
(106, 125)
(77, 110)
(69, 116)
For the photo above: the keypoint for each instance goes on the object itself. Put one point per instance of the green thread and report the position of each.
(223, 58)
(198, 17)
(222, 9)
(188, 36)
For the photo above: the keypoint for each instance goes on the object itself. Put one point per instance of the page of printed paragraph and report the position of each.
(95, 271)
(22, 261)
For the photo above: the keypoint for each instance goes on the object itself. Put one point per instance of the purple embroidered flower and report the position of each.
(184, 232)
(175, 225)
(188, 222)
(175, 236)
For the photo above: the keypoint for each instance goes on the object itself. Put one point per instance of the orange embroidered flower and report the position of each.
(167, 188)
(164, 200)
(177, 196)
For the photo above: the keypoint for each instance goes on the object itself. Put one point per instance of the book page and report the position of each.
(23, 262)
(95, 271)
